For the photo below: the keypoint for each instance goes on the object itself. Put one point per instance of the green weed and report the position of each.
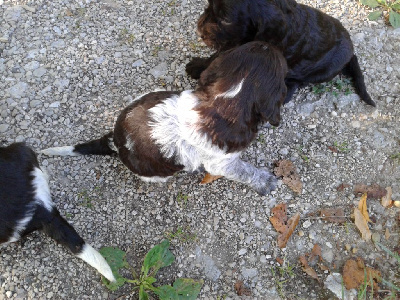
(86, 200)
(182, 199)
(389, 9)
(302, 155)
(182, 234)
(343, 147)
(158, 257)
(335, 87)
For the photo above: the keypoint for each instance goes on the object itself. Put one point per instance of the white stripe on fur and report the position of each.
(41, 189)
(232, 92)
(63, 151)
(20, 227)
(97, 261)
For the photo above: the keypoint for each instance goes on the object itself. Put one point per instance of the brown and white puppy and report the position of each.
(26, 206)
(316, 46)
(162, 133)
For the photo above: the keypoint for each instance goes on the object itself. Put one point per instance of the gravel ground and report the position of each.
(68, 67)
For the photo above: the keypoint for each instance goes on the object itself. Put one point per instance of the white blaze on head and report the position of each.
(232, 92)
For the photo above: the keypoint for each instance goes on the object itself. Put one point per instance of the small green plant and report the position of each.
(302, 155)
(395, 289)
(389, 9)
(158, 257)
(261, 138)
(182, 199)
(281, 275)
(86, 200)
(156, 50)
(395, 156)
(335, 87)
(182, 234)
(126, 36)
(68, 215)
(343, 147)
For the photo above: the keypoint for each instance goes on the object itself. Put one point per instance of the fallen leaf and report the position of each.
(362, 225)
(386, 200)
(280, 223)
(342, 186)
(279, 218)
(315, 253)
(241, 290)
(334, 215)
(279, 260)
(208, 178)
(333, 149)
(287, 170)
(323, 267)
(362, 206)
(354, 276)
(387, 233)
(306, 268)
(283, 238)
(374, 191)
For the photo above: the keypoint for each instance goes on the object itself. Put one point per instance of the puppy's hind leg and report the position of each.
(292, 86)
(236, 169)
(197, 65)
(353, 70)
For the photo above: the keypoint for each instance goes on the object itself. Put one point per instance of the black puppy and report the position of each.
(316, 46)
(26, 206)
(162, 133)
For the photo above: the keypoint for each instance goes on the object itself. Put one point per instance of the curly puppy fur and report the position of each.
(316, 46)
(26, 206)
(162, 133)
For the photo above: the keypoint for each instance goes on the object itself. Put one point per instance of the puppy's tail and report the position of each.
(101, 146)
(60, 230)
(353, 70)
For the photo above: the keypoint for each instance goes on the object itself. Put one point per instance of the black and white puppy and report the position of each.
(316, 46)
(26, 206)
(162, 133)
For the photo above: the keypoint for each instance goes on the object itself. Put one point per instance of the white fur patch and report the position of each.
(155, 179)
(41, 189)
(129, 143)
(63, 151)
(97, 261)
(20, 227)
(232, 92)
(111, 144)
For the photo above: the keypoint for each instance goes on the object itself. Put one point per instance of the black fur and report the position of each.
(316, 46)
(17, 200)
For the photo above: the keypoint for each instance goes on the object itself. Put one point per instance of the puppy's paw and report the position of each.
(265, 183)
(196, 66)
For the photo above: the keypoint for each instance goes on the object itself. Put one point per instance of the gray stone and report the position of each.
(3, 127)
(160, 70)
(18, 90)
(334, 283)
(12, 14)
(39, 72)
(61, 83)
(33, 65)
(35, 103)
(346, 100)
(138, 63)
(58, 44)
(249, 273)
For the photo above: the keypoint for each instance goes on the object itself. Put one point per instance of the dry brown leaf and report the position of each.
(362, 206)
(280, 223)
(342, 186)
(279, 260)
(306, 268)
(374, 191)
(387, 233)
(241, 290)
(315, 253)
(208, 178)
(323, 267)
(334, 215)
(362, 225)
(333, 149)
(287, 170)
(279, 218)
(387, 199)
(284, 237)
(354, 276)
